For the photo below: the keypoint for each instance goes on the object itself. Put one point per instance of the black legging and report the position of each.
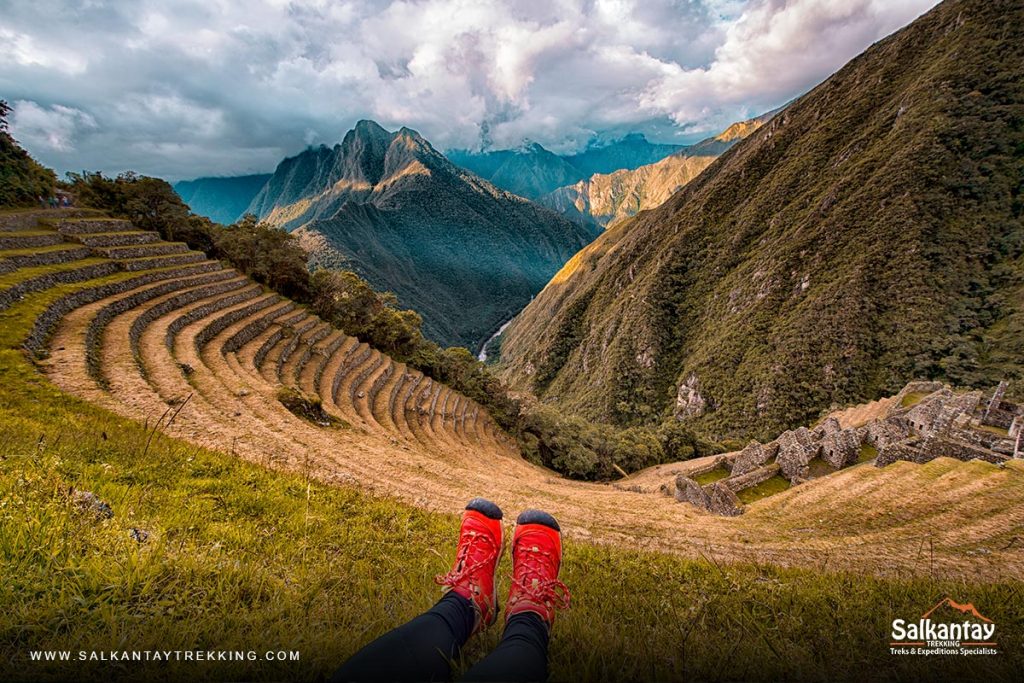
(423, 649)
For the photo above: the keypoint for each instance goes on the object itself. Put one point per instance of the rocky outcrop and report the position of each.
(689, 402)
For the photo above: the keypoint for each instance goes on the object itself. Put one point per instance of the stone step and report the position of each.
(80, 226)
(121, 253)
(27, 239)
(116, 239)
(43, 256)
(171, 260)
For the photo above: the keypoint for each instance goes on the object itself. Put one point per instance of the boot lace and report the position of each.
(480, 547)
(538, 564)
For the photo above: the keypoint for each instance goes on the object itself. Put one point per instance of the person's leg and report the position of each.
(521, 656)
(419, 650)
(422, 649)
(536, 592)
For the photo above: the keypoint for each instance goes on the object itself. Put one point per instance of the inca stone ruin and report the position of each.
(926, 420)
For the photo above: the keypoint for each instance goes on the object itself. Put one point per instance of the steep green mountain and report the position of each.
(870, 232)
(222, 200)
(451, 246)
(605, 198)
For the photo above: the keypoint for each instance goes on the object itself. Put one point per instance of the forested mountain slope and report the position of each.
(870, 232)
(464, 254)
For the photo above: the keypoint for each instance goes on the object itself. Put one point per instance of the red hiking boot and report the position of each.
(476, 560)
(536, 559)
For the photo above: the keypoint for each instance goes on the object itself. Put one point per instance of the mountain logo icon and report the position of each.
(967, 608)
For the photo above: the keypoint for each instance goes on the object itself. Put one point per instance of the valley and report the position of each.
(153, 330)
(770, 384)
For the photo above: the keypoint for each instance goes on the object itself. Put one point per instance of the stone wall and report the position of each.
(326, 354)
(797, 448)
(913, 388)
(997, 417)
(200, 312)
(254, 329)
(752, 478)
(16, 241)
(167, 261)
(117, 239)
(689, 491)
(309, 345)
(881, 433)
(952, 448)
(294, 342)
(157, 311)
(99, 322)
(221, 323)
(17, 292)
(722, 501)
(903, 450)
(45, 258)
(753, 456)
(920, 451)
(354, 360)
(842, 448)
(93, 225)
(47, 321)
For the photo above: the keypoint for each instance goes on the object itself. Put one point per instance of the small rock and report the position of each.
(87, 501)
(138, 535)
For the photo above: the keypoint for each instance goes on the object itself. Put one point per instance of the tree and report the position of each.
(22, 180)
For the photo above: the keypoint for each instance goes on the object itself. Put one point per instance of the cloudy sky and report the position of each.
(182, 88)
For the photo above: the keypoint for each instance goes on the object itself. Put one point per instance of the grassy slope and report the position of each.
(242, 558)
(869, 233)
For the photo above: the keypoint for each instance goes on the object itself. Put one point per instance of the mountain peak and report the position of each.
(371, 128)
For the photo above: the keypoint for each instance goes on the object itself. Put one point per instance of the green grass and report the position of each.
(769, 487)
(240, 557)
(25, 273)
(912, 398)
(819, 468)
(7, 253)
(867, 453)
(993, 429)
(705, 478)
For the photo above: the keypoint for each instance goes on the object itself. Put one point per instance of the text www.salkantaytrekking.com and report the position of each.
(163, 656)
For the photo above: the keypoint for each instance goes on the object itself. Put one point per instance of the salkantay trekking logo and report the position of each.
(974, 635)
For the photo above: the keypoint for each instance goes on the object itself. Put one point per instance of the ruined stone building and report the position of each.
(926, 420)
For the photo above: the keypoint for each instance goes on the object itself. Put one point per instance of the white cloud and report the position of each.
(193, 87)
(54, 128)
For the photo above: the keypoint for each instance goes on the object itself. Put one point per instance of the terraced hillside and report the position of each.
(155, 332)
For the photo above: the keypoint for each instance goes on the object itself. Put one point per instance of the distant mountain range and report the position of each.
(455, 248)
(869, 232)
(532, 171)
(605, 198)
(222, 200)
